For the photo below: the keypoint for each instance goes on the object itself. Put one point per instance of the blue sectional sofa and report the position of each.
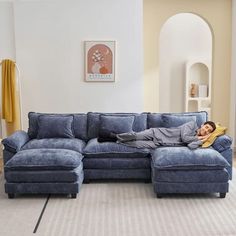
(61, 151)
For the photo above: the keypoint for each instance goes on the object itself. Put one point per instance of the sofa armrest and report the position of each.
(222, 143)
(14, 142)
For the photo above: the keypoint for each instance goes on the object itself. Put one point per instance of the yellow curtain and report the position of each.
(10, 97)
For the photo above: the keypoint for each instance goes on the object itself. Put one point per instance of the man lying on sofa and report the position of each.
(187, 134)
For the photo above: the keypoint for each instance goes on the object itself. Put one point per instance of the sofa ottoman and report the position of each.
(52, 171)
(182, 170)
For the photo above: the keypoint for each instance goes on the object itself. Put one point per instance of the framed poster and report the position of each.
(99, 61)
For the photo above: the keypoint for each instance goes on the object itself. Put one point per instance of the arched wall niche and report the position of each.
(199, 71)
(184, 37)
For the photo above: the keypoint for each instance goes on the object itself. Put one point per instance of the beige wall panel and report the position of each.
(218, 15)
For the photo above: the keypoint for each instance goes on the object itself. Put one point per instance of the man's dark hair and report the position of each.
(211, 123)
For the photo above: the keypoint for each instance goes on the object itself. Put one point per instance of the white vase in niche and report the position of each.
(96, 68)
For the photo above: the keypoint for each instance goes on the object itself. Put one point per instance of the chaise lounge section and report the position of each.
(60, 151)
(181, 170)
(44, 171)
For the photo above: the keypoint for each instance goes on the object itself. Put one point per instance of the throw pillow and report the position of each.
(33, 124)
(51, 126)
(169, 121)
(115, 125)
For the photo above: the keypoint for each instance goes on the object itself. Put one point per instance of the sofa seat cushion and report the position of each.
(190, 176)
(125, 174)
(56, 143)
(183, 158)
(117, 163)
(44, 159)
(94, 149)
(44, 176)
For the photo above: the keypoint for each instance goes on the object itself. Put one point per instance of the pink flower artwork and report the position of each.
(99, 60)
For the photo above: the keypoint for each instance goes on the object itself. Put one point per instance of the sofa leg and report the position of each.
(159, 195)
(147, 181)
(73, 195)
(11, 195)
(222, 195)
(86, 181)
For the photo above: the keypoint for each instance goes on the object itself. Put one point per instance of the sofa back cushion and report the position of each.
(51, 126)
(139, 124)
(176, 120)
(168, 120)
(115, 124)
(33, 124)
(79, 124)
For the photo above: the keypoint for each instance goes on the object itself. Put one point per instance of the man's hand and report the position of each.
(204, 138)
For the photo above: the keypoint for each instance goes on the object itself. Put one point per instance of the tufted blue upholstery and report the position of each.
(156, 119)
(175, 121)
(15, 141)
(140, 122)
(44, 159)
(51, 126)
(58, 165)
(79, 124)
(111, 149)
(44, 176)
(115, 124)
(56, 143)
(222, 143)
(182, 158)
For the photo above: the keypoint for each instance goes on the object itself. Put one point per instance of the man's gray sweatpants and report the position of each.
(143, 139)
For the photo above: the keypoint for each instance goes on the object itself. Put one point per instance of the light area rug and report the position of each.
(120, 209)
(19, 216)
(132, 209)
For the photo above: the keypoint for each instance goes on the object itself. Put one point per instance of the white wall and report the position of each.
(183, 37)
(233, 75)
(50, 53)
(7, 44)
